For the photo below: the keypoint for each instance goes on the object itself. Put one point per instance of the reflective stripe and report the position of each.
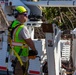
(3, 68)
(34, 72)
(18, 44)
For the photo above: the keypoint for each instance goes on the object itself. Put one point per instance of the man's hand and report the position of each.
(33, 52)
(36, 52)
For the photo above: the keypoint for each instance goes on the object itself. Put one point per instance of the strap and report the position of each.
(11, 29)
(14, 62)
(17, 56)
(18, 44)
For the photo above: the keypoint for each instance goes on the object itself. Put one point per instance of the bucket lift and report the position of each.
(52, 47)
(59, 52)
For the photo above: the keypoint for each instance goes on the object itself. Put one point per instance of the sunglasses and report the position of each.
(25, 14)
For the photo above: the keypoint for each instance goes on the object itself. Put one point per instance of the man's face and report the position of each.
(23, 17)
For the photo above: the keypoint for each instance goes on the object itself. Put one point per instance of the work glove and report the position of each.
(33, 52)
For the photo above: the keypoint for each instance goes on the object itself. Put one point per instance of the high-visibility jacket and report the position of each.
(18, 43)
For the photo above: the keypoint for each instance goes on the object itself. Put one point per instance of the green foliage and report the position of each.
(63, 16)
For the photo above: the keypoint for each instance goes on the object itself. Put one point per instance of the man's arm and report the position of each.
(24, 34)
(30, 43)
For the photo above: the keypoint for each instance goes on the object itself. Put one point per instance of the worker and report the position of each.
(21, 36)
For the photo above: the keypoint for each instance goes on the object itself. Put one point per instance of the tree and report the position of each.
(64, 17)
